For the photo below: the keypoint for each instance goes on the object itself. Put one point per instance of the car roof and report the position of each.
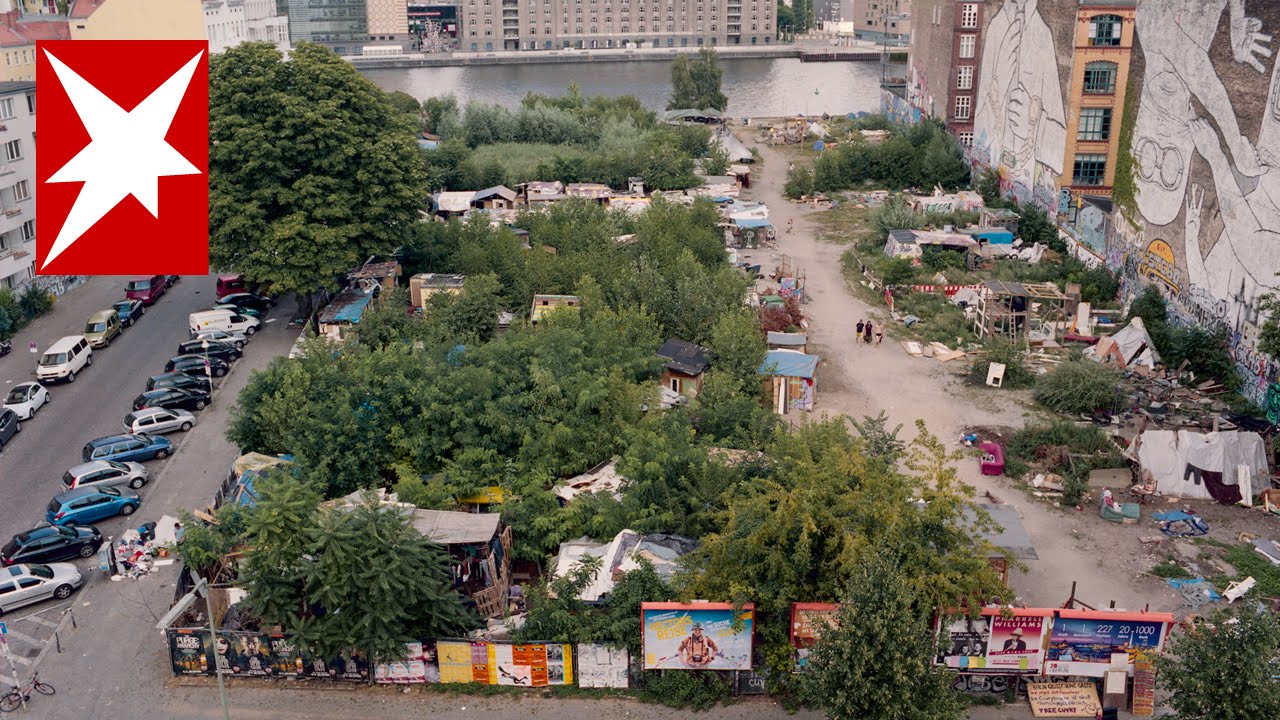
(108, 439)
(69, 495)
(127, 301)
(102, 315)
(24, 384)
(83, 468)
(144, 412)
(64, 344)
(37, 533)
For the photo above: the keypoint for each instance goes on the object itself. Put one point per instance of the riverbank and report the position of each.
(864, 52)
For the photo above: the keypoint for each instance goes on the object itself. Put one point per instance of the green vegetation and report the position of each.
(940, 319)
(1204, 350)
(1000, 350)
(16, 312)
(1124, 188)
(1069, 449)
(1225, 668)
(1078, 387)
(1170, 569)
(695, 82)
(312, 168)
(920, 156)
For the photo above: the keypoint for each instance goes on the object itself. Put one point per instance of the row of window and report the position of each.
(1099, 78)
(595, 30)
(606, 43)
(1095, 123)
(7, 107)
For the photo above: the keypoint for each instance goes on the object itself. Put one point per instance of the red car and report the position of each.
(146, 289)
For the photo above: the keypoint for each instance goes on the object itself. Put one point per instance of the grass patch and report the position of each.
(940, 320)
(1247, 562)
(845, 223)
(520, 161)
(1050, 446)
(1169, 569)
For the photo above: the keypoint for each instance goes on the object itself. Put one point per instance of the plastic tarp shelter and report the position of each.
(1188, 464)
(789, 363)
(751, 222)
(1129, 347)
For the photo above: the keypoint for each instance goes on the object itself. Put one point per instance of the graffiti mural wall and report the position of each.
(1206, 145)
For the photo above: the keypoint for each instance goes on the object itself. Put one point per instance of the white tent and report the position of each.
(1178, 460)
(1129, 347)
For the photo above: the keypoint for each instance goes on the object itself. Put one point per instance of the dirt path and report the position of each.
(856, 380)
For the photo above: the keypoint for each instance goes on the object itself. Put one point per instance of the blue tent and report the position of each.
(789, 364)
(819, 146)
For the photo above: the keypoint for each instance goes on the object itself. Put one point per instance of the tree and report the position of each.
(405, 103)
(312, 169)
(695, 83)
(6, 323)
(876, 660)
(799, 183)
(716, 162)
(1269, 333)
(786, 18)
(1225, 669)
(943, 163)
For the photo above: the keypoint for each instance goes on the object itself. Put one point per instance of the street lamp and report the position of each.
(202, 589)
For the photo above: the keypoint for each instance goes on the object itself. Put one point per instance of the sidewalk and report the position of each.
(66, 317)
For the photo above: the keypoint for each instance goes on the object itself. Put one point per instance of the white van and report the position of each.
(64, 359)
(228, 320)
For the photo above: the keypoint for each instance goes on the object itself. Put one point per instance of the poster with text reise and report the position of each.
(699, 636)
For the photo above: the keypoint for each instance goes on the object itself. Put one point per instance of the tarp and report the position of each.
(1129, 347)
(453, 201)
(786, 339)
(737, 152)
(1194, 465)
(751, 222)
(789, 364)
(456, 528)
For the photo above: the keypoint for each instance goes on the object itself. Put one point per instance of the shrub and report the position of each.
(1079, 386)
(33, 302)
(897, 271)
(1000, 350)
(799, 183)
(894, 214)
(693, 690)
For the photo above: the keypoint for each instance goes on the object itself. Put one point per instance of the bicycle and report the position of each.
(17, 696)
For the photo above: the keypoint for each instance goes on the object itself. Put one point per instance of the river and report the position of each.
(755, 87)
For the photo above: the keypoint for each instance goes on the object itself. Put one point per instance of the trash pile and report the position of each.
(139, 551)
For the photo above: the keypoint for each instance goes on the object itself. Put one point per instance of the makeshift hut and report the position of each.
(685, 366)
(480, 552)
(748, 232)
(790, 380)
(1130, 347)
(494, 198)
(452, 204)
(622, 555)
(1226, 466)
(787, 341)
(423, 285)
(911, 243)
(340, 317)
(543, 304)
(1009, 537)
(601, 478)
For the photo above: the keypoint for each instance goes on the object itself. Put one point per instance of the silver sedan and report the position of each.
(158, 421)
(26, 584)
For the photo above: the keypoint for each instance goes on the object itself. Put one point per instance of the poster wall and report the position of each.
(601, 666)
(533, 665)
(1089, 644)
(962, 643)
(286, 659)
(409, 669)
(807, 622)
(700, 636)
(1066, 699)
(463, 662)
(189, 652)
(1016, 643)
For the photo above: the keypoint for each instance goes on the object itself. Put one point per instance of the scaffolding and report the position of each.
(1020, 312)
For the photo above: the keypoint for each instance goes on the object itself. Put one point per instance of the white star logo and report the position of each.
(127, 153)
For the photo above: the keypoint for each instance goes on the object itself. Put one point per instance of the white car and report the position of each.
(231, 338)
(25, 584)
(158, 421)
(25, 399)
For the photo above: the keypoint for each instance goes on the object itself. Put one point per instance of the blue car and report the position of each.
(124, 448)
(90, 504)
(129, 311)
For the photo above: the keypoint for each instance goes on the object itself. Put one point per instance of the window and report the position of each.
(21, 191)
(967, 44)
(966, 139)
(29, 230)
(1105, 30)
(963, 104)
(969, 16)
(1095, 124)
(6, 109)
(13, 150)
(1100, 78)
(1089, 170)
(964, 77)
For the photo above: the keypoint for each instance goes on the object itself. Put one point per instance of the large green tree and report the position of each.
(876, 661)
(695, 82)
(1225, 669)
(312, 168)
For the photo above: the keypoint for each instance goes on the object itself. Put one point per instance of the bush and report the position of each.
(1078, 386)
(1204, 350)
(1000, 350)
(1098, 286)
(679, 689)
(1046, 446)
(34, 302)
(894, 214)
(897, 271)
(1035, 226)
(799, 183)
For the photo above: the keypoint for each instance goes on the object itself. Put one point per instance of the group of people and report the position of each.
(866, 329)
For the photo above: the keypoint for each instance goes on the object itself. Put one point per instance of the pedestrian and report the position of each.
(866, 333)
(178, 532)
(790, 223)
(857, 338)
(879, 333)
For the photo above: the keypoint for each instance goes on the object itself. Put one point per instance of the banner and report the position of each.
(700, 636)
(463, 662)
(1144, 687)
(1063, 700)
(807, 623)
(602, 666)
(1086, 645)
(1016, 643)
(962, 643)
(409, 669)
(535, 665)
(351, 665)
(189, 652)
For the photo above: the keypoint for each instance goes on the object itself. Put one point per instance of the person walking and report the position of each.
(790, 224)
(879, 334)
(857, 338)
(866, 333)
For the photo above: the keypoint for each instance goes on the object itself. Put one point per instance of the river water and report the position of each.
(755, 87)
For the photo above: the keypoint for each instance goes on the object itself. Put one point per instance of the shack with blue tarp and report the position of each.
(748, 232)
(790, 380)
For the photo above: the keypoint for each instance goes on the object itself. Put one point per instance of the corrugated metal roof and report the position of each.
(792, 339)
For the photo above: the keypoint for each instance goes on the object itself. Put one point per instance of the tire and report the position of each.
(219, 372)
(136, 483)
(240, 346)
(142, 310)
(71, 376)
(44, 688)
(185, 427)
(127, 510)
(10, 702)
(47, 397)
(62, 592)
(87, 551)
(88, 360)
(17, 427)
(250, 331)
(200, 404)
(162, 454)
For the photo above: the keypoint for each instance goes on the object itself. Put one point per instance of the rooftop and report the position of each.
(348, 306)
(684, 357)
(789, 363)
(26, 32)
(10, 87)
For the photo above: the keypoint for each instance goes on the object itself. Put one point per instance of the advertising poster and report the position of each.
(286, 659)
(534, 665)
(1144, 687)
(1085, 645)
(351, 665)
(1016, 643)
(430, 666)
(601, 666)
(252, 655)
(189, 652)
(807, 623)
(409, 669)
(962, 643)
(700, 636)
(463, 662)
(1063, 700)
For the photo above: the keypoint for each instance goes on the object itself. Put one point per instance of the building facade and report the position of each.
(945, 47)
(137, 20)
(17, 183)
(18, 36)
(339, 24)
(231, 22)
(1103, 45)
(488, 25)
(881, 21)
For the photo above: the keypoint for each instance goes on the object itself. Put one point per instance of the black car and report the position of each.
(169, 280)
(51, 543)
(259, 304)
(129, 311)
(171, 398)
(5, 347)
(194, 365)
(182, 381)
(225, 352)
(9, 426)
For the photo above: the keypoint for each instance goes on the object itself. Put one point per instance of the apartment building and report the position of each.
(17, 182)
(486, 25)
(946, 50)
(881, 21)
(18, 36)
(137, 20)
(230, 22)
(1103, 45)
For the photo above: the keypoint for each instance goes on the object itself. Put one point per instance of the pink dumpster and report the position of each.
(992, 459)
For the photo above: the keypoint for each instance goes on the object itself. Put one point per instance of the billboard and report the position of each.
(189, 652)
(699, 636)
(1016, 643)
(462, 661)
(807, 623)
(962, 642)
(1086, 643)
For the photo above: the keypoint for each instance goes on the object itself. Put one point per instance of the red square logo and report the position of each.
(122, 176)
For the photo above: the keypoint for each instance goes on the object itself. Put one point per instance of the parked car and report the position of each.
(10, 425)
(171, 280)
(105, 473)
(129, 311)
(212, 348)
(229, 284)
(102, 327)
(26, 398)
(124, 448)
(194, 365)
(65, 358)
(6, 347)
(238, 339)
(189, 399)
(25, 584)
(86, 505)
(179, 380)
(51, 543)
(158, 420)
(248, 302)
(146, 289)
